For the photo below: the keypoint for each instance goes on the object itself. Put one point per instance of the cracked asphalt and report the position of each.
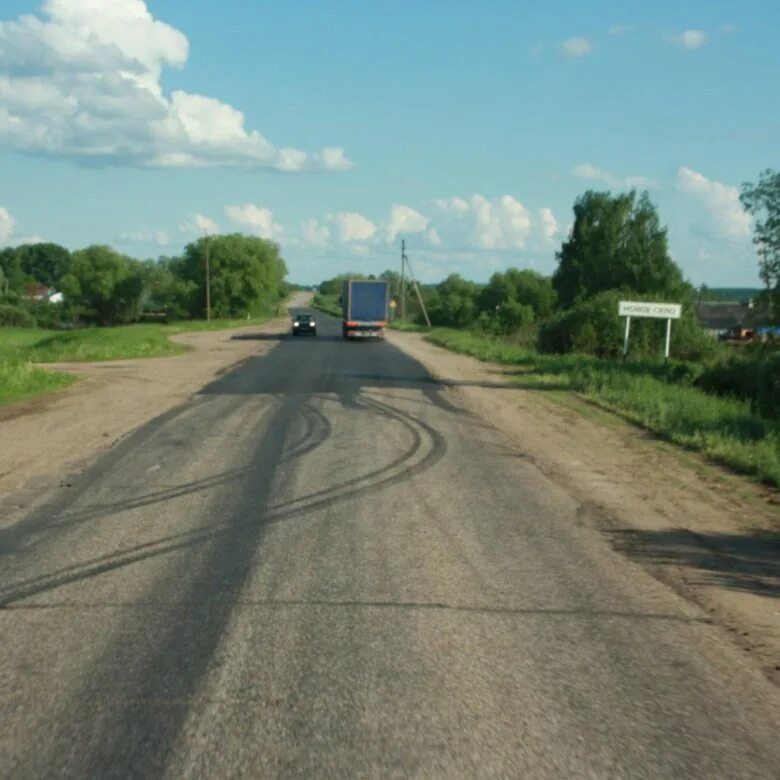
(322, 566)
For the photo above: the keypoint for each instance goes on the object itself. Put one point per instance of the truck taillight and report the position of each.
(352, 324)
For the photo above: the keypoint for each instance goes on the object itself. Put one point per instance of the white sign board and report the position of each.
(661, 311)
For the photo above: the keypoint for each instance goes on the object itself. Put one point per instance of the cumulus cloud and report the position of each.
(576, 47)
(158, 237)
(83, 81)
(257, 219)
(333, 158)
(315, 233)
(690, 39)
(199, 224)
(594, 173)
(7, 225)
(721, 201)
(620, 29)
(548, 223)
(432, 237)
(352, 226)
(404, 220)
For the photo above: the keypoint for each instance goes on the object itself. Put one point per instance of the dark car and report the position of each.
(304, 323)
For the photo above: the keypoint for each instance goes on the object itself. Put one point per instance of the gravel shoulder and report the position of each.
(709, 534)
(51, 436)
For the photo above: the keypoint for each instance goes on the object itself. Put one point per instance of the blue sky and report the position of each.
(466, 128)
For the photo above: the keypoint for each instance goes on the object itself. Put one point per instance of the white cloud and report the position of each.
(361, 250)
(199, 224)
(721, 200)
(729, 28)
(404, 220)
(548, 223)
(498, 223)
(315, 233)
(352, 226)
(576, 47)
(158, 237)
(7, 225)
(620, 29)
(456, 204)
(690, 39)
(432, 237)
(594, 173)
(332, 158)
(83, 81)
(258, 219)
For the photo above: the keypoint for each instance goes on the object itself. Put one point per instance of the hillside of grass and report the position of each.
(656, 395)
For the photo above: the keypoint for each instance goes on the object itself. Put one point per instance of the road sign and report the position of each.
(661, 311)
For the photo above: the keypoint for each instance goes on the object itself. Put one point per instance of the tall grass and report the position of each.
(20, 380)
(657, 395)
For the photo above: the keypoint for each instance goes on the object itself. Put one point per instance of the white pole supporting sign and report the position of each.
(658, 311)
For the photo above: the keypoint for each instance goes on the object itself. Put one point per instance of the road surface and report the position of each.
(323, 566)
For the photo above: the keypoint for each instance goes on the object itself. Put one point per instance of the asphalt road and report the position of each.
(322, 566)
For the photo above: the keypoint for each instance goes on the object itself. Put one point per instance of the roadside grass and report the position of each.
(21, 380)
(408, 327)
(655, 395)
(22, 348)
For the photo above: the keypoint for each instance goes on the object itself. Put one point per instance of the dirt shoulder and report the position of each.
(47, 437)
(710, 534)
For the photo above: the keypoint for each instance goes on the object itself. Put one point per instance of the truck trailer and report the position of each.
(364, 306)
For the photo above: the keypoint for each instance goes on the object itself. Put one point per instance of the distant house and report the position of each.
(719, 317)
(34, 291)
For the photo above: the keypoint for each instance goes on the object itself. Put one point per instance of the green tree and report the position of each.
(525, 287)
(167, 290)
(454, 303)
(617, 242)
(762, 200)
(105, 286)
(247, 274)
(13, 277)
(46, 263)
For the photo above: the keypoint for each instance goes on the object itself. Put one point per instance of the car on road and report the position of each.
(304, 323)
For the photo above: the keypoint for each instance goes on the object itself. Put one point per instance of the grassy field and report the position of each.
(653, 395)
(22, 348)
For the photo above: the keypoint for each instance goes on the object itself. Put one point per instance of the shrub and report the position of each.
(594, 328)
(753, 376)
(15, 316)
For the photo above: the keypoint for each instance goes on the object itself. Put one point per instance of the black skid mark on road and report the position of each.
(317, 431)
(171, 653)
(359, 486)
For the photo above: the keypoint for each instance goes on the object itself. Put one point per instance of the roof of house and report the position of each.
(716, 315)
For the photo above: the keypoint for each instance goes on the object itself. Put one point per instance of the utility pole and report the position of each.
(403, 281)
(417, 290)
(208, 278)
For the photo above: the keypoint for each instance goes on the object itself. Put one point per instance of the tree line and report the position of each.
(617, 248)
(102, 286)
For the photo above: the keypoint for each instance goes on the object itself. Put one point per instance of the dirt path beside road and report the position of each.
(710, 534)
(46, 438)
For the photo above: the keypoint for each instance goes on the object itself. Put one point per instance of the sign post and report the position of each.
(625, 341)
(660, 311)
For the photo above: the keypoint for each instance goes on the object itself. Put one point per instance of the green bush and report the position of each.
(753, 376)
(15, 316)
(594, 328)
